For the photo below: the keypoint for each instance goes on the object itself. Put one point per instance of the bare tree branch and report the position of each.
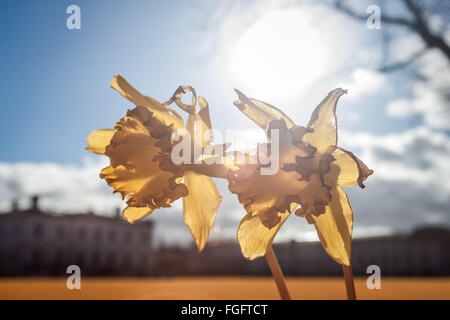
(363, 17)
(401, 64)
(418, 26)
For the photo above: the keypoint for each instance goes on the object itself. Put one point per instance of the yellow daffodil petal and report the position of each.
(255, 238)
(177, 99)
(215, 164)
(323, 123)
(216, 170)
(347, 170)
(133, 214)
(261, 113)
(190, 125)
(165, 115)
(334, 227)
(204, 117)
(141, 169)
(200, 206)
(198, 123)
(98, 140)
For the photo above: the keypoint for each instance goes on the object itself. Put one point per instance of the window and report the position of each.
(16, 230)
(97, 234)
(36, 256)
(111, 259)
(82, 232)
(38, 230)
(96, 259)
(58, 259)
(143, 260)
(60, 230)
(80, 259)
(146, 236)
(126, 260)
(112, 235)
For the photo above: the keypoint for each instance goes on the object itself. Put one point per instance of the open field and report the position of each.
(219, 288)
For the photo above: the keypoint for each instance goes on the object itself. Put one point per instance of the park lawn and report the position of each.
(220, 288)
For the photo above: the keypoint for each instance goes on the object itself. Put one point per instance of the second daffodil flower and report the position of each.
(141, 170)
(312, 172)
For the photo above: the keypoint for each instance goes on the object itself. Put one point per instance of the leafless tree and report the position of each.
(415, 19)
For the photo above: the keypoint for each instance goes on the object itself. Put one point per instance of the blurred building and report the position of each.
(221, 259)
(423, 252)
(33, 242)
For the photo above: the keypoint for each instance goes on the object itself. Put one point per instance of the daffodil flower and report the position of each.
(141, 170)
(312, 172)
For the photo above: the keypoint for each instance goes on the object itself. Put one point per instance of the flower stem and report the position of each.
(349, 283)
(277, 274)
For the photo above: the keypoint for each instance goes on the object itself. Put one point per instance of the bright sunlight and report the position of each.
(283, 53)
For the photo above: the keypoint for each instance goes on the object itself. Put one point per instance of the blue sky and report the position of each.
(55, 81)
(55, 91)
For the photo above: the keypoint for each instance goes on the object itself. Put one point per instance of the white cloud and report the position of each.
(429, 103)
(63, 188)
(430, 98)
(410, 183)
(364, 82)
(69, 188)
(419, 155)
(410, 187)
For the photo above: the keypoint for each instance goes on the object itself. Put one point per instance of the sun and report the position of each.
(284, 52)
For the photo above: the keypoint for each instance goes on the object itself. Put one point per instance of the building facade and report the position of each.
(423, 252)
(33, 242)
